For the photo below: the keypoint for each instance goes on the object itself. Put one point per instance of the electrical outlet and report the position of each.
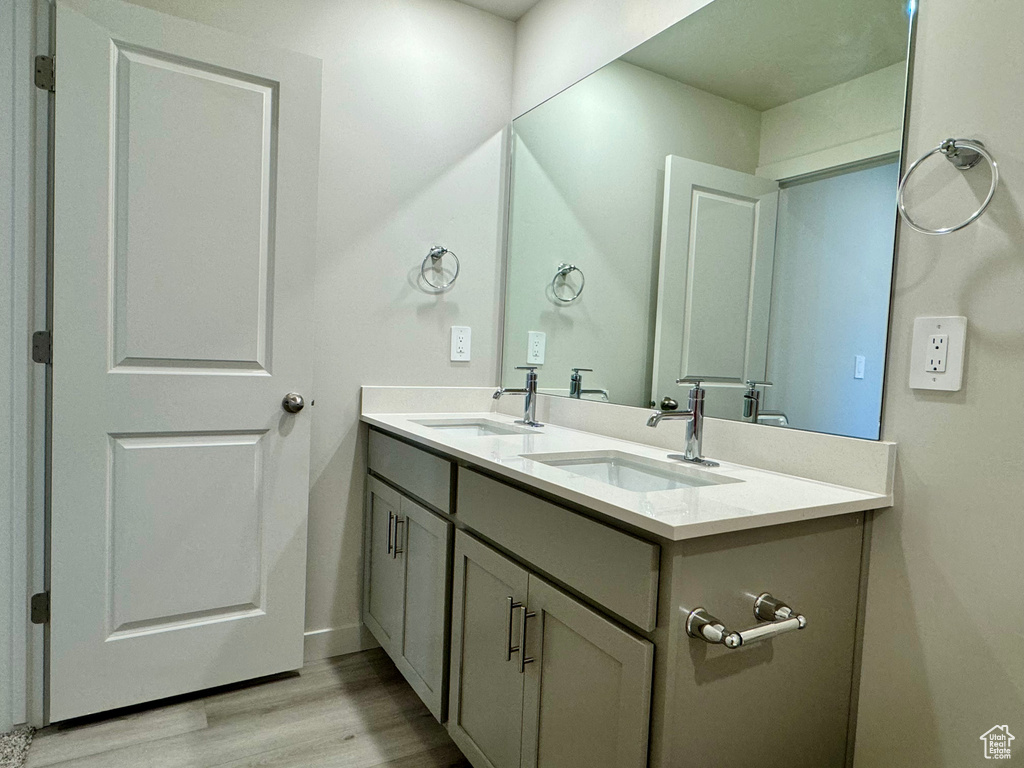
(461, 338)
(937, 353)
(858, 366)
(938, 344)
(536, 340)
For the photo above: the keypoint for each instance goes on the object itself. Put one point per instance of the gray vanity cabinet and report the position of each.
(382, 585)
(582, 697)
(588, 689)
(405, 587)
(485, 712)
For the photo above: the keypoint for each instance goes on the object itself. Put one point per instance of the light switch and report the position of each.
(937, 355)
(461, 338)
(858, 366)
(535, 342)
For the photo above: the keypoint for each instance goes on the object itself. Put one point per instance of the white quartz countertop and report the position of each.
(762, 498)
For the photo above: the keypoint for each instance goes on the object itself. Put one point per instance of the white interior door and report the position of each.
(185, 218)
(715, 282)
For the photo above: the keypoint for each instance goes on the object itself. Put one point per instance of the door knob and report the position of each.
(293, 402)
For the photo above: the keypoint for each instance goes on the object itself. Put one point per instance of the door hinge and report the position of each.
(42, 347)
(40, 608)
(46, 77)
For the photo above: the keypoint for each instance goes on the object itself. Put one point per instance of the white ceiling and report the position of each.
(507, 9)
(764, 53)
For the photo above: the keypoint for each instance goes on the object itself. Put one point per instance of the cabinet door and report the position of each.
(384, 569)
(485, 715)
(425, 550)
(588, 690)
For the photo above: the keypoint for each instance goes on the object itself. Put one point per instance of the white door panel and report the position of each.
(714, 286)
(184, 236)
(202, 537)
(190, 142)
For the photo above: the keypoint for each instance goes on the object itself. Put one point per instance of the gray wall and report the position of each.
(561, 41)
(416, 94)
(830, 300)
(953, 544)
(944, 640)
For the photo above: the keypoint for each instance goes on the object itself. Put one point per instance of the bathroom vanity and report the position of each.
(713, 209)
(534, 586)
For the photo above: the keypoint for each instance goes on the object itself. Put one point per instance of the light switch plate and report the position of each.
(937, 354)
(461, 346)
(858, 366)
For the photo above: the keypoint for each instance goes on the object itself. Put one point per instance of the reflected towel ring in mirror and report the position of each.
(964, 154)
(563, 271)
(434, 256)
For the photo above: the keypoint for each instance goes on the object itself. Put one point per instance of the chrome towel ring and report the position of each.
(434, 256)
(563, 271)
(964, 154)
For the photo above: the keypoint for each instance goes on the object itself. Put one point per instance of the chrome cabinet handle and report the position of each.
(778, 619)
(523, 658)
(395, 551)
(510, 606)
(391, 518)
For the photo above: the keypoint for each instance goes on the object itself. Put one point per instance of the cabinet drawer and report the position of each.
(612, 568)
(421, 474)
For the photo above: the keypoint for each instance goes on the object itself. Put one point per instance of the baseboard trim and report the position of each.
(336, 641)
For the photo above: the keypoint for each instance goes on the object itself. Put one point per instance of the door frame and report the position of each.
(24, 385)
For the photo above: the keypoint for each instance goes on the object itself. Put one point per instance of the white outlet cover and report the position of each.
(535, 343)
(925, 329)
(938, 344)
(461, 343)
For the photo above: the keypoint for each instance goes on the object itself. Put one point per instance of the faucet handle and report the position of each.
(696, 381)
(578, 370)
(531, 377)
(751, 383)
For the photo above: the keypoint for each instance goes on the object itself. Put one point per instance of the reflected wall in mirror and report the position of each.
(726, 192)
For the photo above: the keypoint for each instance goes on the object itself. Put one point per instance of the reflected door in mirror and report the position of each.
(715, 281)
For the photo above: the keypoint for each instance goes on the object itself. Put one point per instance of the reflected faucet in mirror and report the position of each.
(694, 416)
(752, 410)
(529, 393)
(576, 389)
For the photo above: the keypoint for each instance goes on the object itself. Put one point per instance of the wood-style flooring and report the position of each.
(352, 711)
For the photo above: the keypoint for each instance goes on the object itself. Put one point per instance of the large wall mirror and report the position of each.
(719, 202)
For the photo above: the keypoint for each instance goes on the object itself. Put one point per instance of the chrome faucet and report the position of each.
(529, 393)
(576, 389)
(694, 416)
(752, 399)
(752, 410)
(576, 382)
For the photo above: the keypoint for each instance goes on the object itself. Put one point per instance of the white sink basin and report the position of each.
(474, 427)
(630, 473)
